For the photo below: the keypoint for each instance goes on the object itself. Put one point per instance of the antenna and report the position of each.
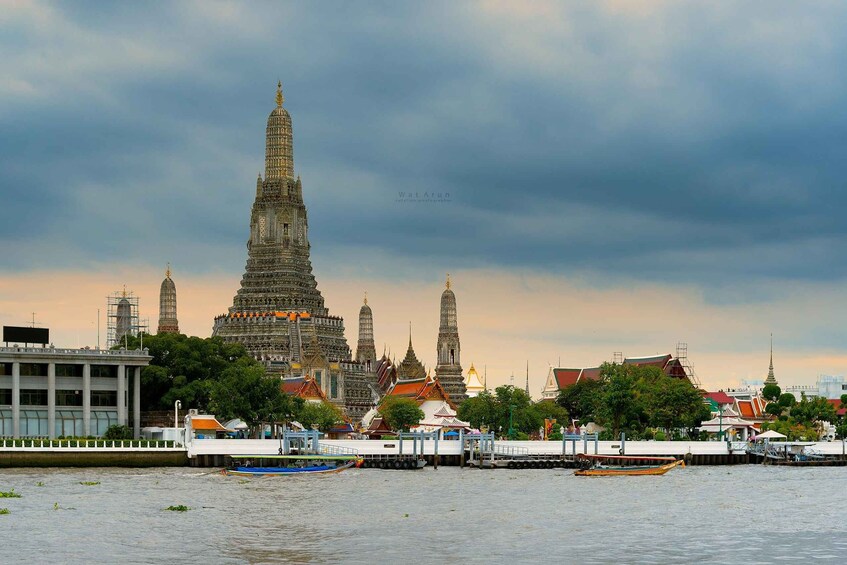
(98, 328)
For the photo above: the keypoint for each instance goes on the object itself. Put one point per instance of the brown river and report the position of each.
(740, 514)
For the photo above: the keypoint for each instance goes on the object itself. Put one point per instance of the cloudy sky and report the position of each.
(616, 176)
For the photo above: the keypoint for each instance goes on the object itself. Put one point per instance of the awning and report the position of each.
(207, 423)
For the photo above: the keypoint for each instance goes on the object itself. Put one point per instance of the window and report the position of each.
(5, 368)
(452, 357)
(69, 423)
(101, 420)
(34, 422)
(32, 397)
(318, 379)
(33, 369)
(107, 371)
(333, 386)
(5, 396)
(104, 398)
(68, 398)
(68, 370)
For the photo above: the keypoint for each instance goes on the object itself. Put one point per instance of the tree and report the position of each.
(774, 408)
(245, 392)
(673, 403)
(481, 411)
(812, 410)
(400, 413)
(771, 392)
(581, 400)
(184, 368)
(619, 402)
(786, 400)
(324, 415)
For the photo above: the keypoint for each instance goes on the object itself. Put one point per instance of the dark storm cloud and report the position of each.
(691, 143)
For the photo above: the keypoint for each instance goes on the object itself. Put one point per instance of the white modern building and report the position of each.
(48, 392)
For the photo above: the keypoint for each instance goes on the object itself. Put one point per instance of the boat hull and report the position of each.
(627, 471)
(281, 471)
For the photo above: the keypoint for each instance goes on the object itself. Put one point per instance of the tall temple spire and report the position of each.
(527, 377)
(167, 305)
(279, 142)
(365, 348)
(448, 371)
(278, 309)
(771, 379)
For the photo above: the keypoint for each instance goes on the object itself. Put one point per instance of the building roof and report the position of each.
(566, 377)
(421, 390)
(719, 397)
(836, 403)
(473, 383)
(303, 387)
(207, 423)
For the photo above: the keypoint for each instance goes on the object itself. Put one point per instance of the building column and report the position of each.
(86, 399)
(136, 404)
(16, 399)
(122, 395)
(51, 400)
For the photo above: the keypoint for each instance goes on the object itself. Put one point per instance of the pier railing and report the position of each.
(87, 444)
(338, 450)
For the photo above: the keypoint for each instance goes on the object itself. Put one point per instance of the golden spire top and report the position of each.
(366, 297)
(279, 97)
(124, 292)
(448, 280)
(168, 271)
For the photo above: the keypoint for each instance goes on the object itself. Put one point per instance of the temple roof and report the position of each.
(473, 382)
(303, 387)
(410, 368)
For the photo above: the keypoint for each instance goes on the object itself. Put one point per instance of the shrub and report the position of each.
(660, 436)
(118, 432)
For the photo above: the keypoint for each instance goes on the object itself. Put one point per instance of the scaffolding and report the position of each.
(682, 357)
(122, 317)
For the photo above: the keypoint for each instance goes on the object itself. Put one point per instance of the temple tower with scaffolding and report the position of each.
(122, 318)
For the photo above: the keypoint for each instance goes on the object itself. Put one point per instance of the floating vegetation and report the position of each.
(243, 481)
(405, 515)
(10, 494)
(55, 506)
(5, 511)
(89, 483)
(180, 508)
(39, 484)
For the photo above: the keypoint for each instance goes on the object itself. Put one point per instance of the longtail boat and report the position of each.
(268, 465)
(596, 465)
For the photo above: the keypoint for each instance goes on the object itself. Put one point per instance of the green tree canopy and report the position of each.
(244, 391)
(771, 392)
(582, 400)
(400, 413)
(786, 400)
(811, 410)
(185, 368)
(324, 415)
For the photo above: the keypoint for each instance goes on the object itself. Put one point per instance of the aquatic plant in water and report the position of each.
(10, 494)
(180, 508)
(5, 511)
(39, 484)
(89, 483)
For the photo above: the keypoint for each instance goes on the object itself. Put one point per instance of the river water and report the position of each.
(738, 514)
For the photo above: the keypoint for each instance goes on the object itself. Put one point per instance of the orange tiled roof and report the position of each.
(206, 423)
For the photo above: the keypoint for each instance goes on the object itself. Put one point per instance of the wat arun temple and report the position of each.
(279, 314)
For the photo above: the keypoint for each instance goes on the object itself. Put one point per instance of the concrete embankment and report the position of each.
(46, 458)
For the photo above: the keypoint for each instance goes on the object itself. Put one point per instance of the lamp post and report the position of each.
(177, 406)
(720, 424)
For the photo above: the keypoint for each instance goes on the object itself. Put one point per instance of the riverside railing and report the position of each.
(92, 444)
